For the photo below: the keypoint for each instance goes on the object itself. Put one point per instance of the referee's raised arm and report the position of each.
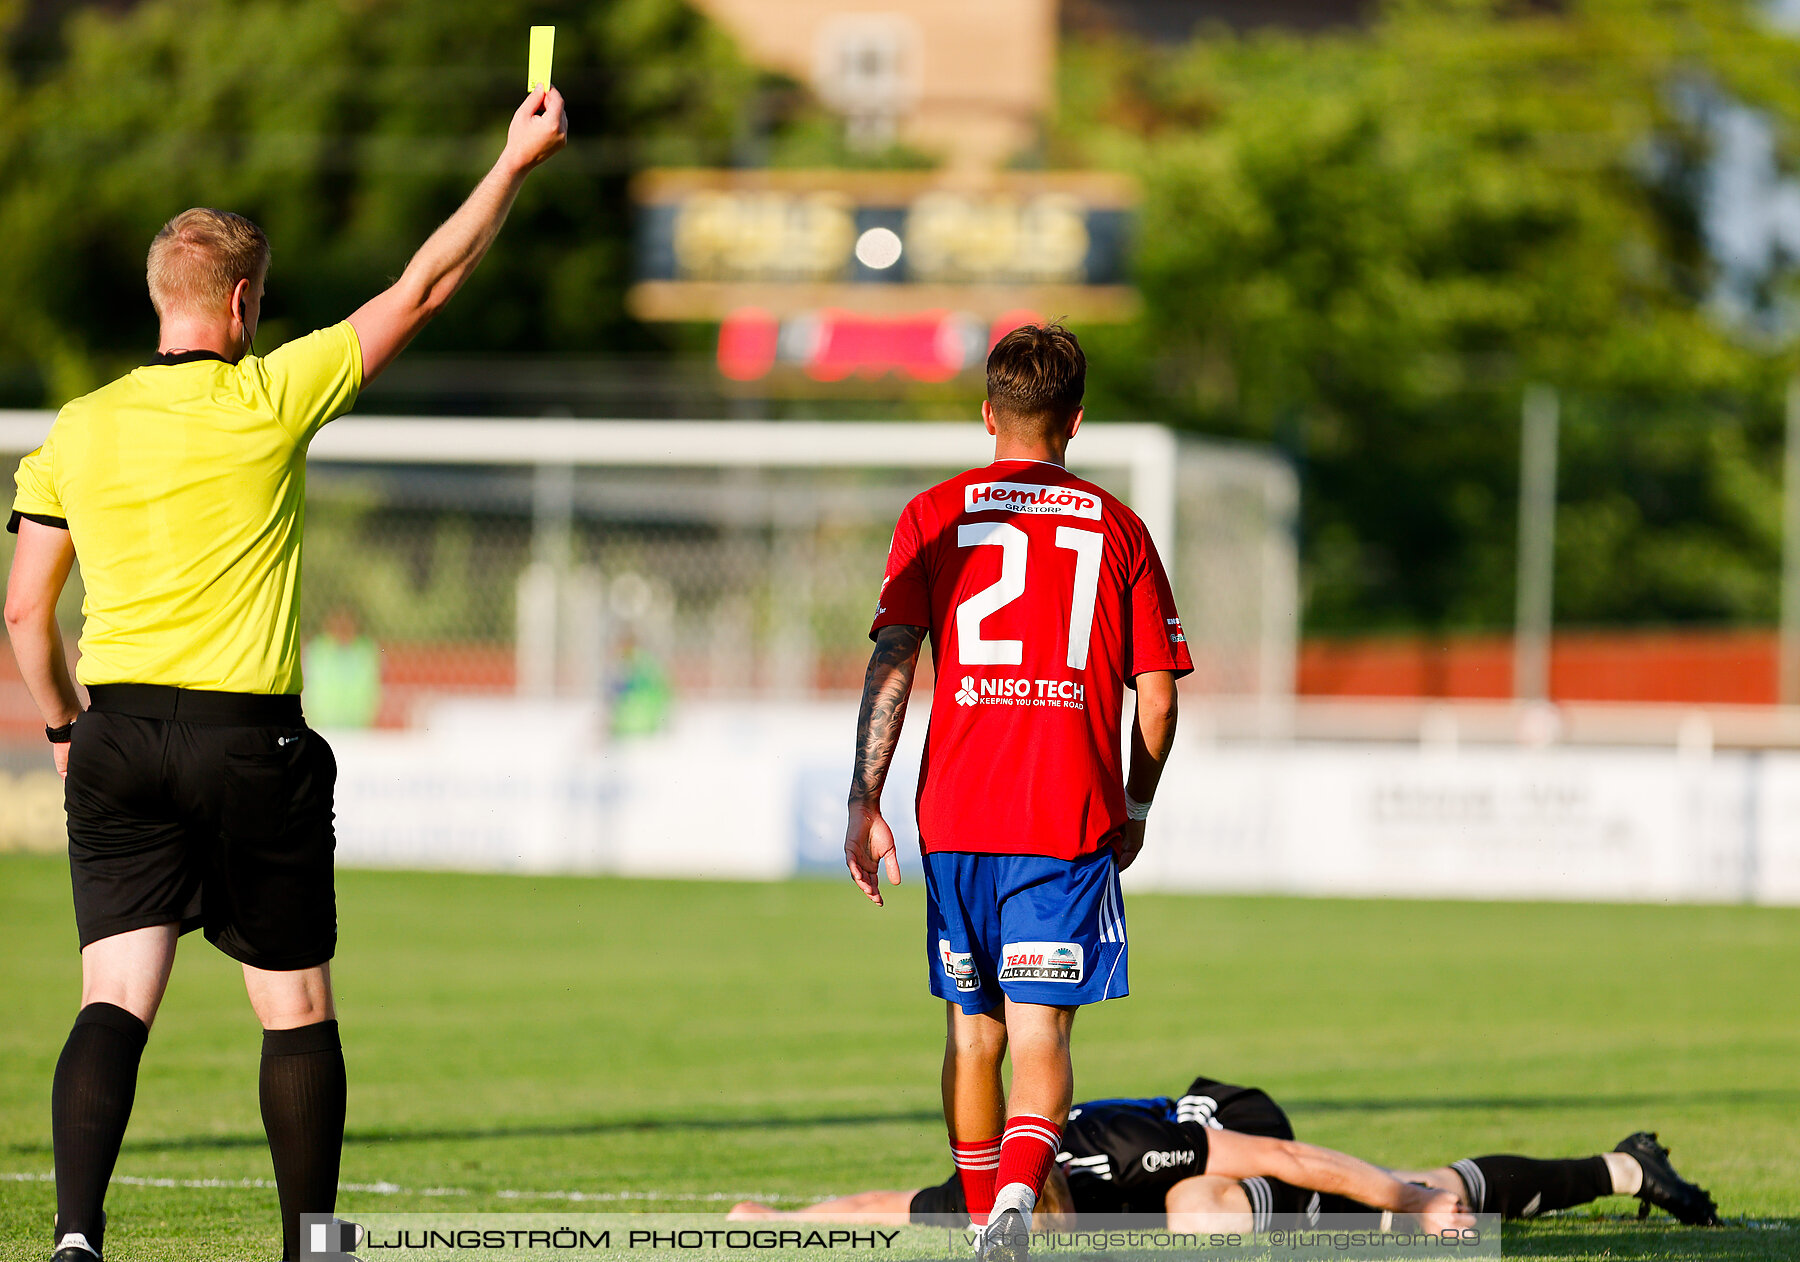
(391, 319)
(197, 796)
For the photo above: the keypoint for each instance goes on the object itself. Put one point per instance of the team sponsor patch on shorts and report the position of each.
(1042, 962)
(959, 966)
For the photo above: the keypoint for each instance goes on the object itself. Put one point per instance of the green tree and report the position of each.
(1363, 246)
(348, 129)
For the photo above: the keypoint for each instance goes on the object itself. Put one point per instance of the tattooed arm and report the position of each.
(869, 842)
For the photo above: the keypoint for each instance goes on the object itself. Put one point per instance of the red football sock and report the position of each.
(976, 1163)
(1027, 1151)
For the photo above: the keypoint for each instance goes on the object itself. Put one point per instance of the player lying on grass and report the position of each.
(1224, 1157)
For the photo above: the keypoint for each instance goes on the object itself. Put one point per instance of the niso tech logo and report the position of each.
(1063, 693)
(1030, 497)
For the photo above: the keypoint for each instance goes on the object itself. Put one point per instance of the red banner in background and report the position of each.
(837, 345)
(748, 339)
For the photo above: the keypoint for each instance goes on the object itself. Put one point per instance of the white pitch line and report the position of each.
(394, 1189)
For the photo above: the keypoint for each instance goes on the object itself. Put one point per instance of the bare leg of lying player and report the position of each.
(876, 1209)
(894, 1209)
(1220, 1203)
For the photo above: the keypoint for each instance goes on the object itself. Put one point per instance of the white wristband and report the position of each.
(1135, 809)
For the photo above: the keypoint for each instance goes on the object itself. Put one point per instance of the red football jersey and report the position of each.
(1045, 599)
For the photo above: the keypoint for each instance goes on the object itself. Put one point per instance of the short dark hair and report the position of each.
(1037, 374)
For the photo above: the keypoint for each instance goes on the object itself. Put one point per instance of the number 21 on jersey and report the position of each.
(973, 649)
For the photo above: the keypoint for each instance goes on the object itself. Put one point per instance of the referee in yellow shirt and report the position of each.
(197, 798)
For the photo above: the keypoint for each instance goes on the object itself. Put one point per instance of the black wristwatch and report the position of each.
(61, 735)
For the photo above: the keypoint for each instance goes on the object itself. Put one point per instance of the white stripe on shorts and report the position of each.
(1473, 1180)
(1262, 1202)
(1112, 922)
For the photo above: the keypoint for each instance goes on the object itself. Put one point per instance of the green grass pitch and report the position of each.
(510, 1038)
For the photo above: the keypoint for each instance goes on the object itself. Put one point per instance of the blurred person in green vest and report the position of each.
(342, 670)
(640, 691)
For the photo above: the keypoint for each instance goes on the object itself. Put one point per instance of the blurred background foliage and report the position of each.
(1359, 245)
(1362, 247)
(348, 129)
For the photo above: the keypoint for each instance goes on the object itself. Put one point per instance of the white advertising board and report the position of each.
(756, 791)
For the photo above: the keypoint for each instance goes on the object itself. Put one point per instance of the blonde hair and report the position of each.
(199, 257)
(1056, 1205)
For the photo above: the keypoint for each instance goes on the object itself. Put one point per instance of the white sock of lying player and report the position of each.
(1627, 1174)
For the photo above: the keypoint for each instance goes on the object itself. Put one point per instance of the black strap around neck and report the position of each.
(186, 357)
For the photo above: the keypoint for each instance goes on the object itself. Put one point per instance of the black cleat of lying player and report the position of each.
(1663, 1188)
(1007, 1238)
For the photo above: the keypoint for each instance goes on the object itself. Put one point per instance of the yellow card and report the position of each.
(543, 44)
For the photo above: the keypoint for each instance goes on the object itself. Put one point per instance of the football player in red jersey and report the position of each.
(1045, 600)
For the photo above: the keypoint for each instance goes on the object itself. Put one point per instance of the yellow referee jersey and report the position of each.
(183, 486)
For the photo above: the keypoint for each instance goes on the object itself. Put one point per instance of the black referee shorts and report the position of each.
(208, 808)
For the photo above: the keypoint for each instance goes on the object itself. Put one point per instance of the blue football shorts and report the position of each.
(1026, 927)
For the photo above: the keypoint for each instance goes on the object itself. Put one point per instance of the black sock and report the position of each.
(302, 1091)
(1524, 1187)
(90, 1102)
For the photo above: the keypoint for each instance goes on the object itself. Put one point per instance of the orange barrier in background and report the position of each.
(1684, 667)
(1694, 667)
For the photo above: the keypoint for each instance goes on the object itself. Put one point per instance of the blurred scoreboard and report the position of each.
(864, 274)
